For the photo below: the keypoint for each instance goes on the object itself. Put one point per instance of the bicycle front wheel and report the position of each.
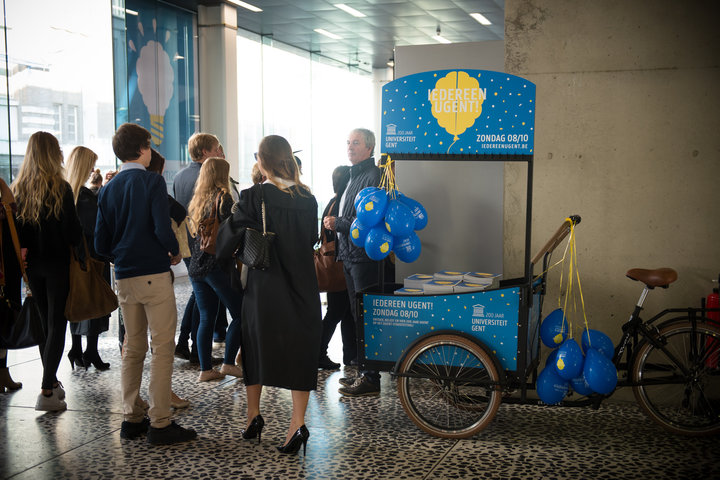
(677, 383)
(449, 386)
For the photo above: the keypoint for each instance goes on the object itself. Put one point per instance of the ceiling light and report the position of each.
(328, 34)
(480, 18)
(349, 10)
(391, 63)
(131, 12)
(439, 38)
(245, 5)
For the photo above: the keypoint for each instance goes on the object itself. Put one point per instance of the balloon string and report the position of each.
(454, 140)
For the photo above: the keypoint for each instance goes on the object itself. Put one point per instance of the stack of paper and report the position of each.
(439, 286)
(409, 291)
(463, 287)
(417, 280)
(449, 275)
(481, 277)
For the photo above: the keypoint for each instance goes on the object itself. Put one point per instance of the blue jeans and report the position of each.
(210, 290)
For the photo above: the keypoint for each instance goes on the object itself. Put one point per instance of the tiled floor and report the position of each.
(350, 438)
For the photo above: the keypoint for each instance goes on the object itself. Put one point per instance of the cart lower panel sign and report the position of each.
(392, 323)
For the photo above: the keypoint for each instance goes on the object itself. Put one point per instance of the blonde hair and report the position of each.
(256, 175)
(277, 160)
(214, 177)
(79, 165)
(39, 186)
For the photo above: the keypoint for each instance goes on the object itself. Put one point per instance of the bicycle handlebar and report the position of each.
(559, 236)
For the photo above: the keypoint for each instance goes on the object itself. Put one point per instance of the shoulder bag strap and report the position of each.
(262, 208)
(16, 242)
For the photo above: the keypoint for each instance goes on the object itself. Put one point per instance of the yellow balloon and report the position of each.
(456, 102)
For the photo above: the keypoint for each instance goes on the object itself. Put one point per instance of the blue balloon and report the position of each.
(599, 372)
(399, 220)
(551, 388)
(599, 341)
(550, 360)
(407, 249)
(580, 385)
(378, 243)
(569, 361)
(554, 328)
(418, 211)
(362, 194)
(371, 209)
(358, 233)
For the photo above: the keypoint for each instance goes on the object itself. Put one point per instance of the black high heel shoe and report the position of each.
(76, 358)
(299, 438)
(255, 428)
(94, 360)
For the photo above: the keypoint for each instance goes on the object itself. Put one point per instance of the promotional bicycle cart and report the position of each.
(457, 355)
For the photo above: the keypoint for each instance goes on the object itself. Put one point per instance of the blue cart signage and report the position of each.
(392, 323)
(458, 112)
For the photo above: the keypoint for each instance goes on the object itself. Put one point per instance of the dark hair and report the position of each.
(129, 140)
(340, 177)
(157, 162)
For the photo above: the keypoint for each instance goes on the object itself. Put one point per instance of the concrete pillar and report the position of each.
(217, 44)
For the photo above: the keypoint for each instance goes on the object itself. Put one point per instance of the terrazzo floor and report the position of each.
(363, 438)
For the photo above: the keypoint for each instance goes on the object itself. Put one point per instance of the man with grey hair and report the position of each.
(360, 270)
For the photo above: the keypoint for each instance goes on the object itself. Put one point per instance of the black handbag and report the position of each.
(255, 251)
(20, 326)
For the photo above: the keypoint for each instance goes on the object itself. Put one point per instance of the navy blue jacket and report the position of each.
(133, 224)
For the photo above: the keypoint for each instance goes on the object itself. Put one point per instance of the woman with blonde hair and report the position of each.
(49, 227)
(80, 165)
(209, 276)
(281, 312)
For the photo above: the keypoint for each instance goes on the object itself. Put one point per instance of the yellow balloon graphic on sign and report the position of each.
(456, 102)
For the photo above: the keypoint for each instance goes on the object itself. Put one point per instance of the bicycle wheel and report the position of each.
(679, 384)
(449, 386)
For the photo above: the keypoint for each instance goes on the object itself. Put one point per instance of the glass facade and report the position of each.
(79, 76)
(314, 105)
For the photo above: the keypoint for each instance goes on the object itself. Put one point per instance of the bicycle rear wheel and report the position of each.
(450, 386)
(678, 385)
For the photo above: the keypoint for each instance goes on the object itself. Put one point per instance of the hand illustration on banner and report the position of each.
(155, 82)
(456, 102)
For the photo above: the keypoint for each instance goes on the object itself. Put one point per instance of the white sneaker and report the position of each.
(59, 391)
(50, 404)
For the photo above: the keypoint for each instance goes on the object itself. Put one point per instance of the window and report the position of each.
(285, 91)
(59, 78)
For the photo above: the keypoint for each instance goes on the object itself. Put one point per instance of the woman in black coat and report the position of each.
(281, 308)
(80, 165)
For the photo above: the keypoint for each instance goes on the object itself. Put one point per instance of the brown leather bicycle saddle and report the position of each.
(659, 277)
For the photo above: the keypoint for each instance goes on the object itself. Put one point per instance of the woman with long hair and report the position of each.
(49, 227)
(80, 165)
(209, 276)
(281, 312)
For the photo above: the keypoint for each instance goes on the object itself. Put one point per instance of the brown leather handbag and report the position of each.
(328, 269)
(90, 296)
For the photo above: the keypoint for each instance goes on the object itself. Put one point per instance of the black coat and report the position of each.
(281, 313)
(87, 212)
(364, 174)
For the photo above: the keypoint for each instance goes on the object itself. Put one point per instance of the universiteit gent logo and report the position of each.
(478, 311)
(391, 129)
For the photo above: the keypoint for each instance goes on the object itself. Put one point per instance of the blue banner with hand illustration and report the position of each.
(458, 111)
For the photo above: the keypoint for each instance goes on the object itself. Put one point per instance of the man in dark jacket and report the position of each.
(360, 270)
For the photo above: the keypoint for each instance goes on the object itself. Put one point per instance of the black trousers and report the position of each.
(50, 288)
(338, 311)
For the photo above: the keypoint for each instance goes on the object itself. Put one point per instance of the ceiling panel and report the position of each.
(369, 41)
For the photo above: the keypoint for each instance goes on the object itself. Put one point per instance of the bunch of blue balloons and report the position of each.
(587, 369)
(384, 224)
